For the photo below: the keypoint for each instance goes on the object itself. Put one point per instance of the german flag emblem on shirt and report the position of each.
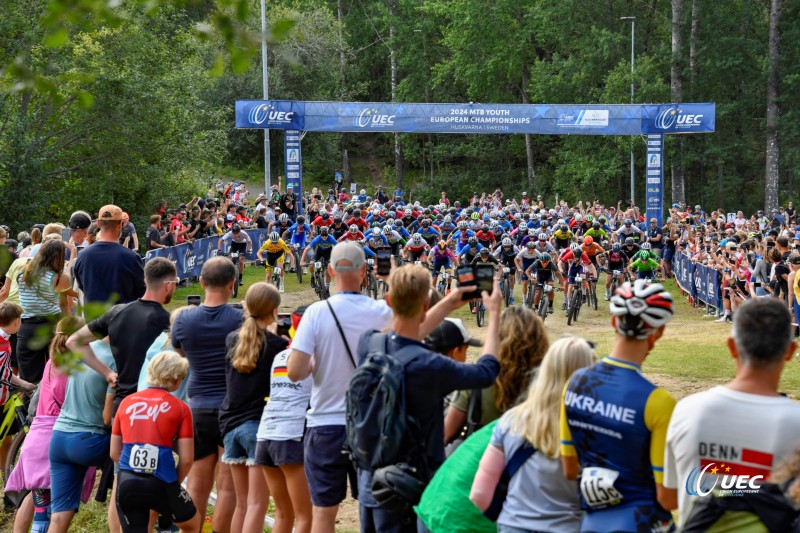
(279, 372)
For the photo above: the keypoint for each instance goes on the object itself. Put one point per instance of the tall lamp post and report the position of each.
(633, 25)
(267, 173)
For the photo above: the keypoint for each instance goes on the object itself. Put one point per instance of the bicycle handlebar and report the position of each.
(17, 388)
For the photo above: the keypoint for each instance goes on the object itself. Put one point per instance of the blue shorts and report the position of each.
(299, 239)
(574, 270)
(669, 253)
(240, 444)
(327, 467)
(526, 264)
(71, 455)
(648, 274)
(439, 264)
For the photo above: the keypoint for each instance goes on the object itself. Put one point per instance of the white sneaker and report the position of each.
(723, 318)
(281, 290)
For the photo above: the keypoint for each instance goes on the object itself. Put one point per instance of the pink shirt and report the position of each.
(52, 390)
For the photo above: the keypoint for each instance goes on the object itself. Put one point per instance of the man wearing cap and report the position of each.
(329, 333)
(79, 223)
(451, 338)
(106, 271)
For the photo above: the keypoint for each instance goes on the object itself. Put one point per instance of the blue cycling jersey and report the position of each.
(322, 244)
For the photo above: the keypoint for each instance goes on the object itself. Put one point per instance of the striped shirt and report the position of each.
(40, 299)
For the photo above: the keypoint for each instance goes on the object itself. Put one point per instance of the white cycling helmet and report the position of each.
(363, 191)
(283, 218)
(417, 238)
(353, 228)
(641, 308)
(462, 224)
(507, 242)
(273, 237)
(387, 230)
(448, 219)
(646, 246)
(574, 246)
(543, 236)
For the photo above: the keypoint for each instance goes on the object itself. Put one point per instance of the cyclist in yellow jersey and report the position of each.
(614, 423)
(276, 251)
(563, 236)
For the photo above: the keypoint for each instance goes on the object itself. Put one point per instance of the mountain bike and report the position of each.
(13, 409)
(615, 274)
(505, 286)
(544, 300)
(371, 287)
(578, 294)
(296, 252)
(441, 285)
(234, 257)
(591, 298)
(480, 313)
(318, 279)
(276, 278)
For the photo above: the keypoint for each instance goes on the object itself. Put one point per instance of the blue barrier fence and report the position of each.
(702, 283)
(190, 257)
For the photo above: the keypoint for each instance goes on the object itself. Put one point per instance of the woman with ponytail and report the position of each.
(250, 352)
(33, 470)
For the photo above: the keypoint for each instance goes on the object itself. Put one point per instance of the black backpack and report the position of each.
(376, 406)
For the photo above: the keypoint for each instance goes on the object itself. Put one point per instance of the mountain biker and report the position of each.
(428, 232)
(573, 262)
(338, 228)
(356, 219)
(485, 256)
(628, 229)
(486, 237)
(319, 249)
(617, 261)
(596, 232)
(281, 225)
(442, 257)
(525, 258)
(376, 240)
(562, 236)
(414, 248)
(395, 240)
(323, 219)
(300, 232)
(543, 271)
(461, 235)
(593, 250)
(630, 249)
(277, 252)
(506, 253)
(142, 444)
(614, 422)
(468, 252)
(240, 243)
(644, 265)
(352, 234)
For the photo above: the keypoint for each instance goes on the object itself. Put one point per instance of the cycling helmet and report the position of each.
(628, 222)
(574, 246)
(616, 247)
(456, 204)
(484, 251)
(442, 244)
(337, 219)
(439, 217)
(323, 212)
(643, 255)
(236, 228)
(417, 238)
(579, 217)
(507, 242)
(426, 212)
(376, 212)
(357, 213)
(353, 229)
(363, 191)
(274, 237)
(563, 227)
(448, 219)
(376, 233)
(531, 233)
(526, 216)
(589, 218)
(629, 241)
(398, 223)
(646, 246)
(543, 236)
(544, 258)
(641, 308)
(544, 223)
(588, 240)
(604, 244)
(462, 224)
(530, 245)
(301, 219)
(387, 230)
(473, 241)
(283, 218)
(475, 216)
(426, 222)
(595, 225)
(485, 228)
(502, 215)
(323, 230)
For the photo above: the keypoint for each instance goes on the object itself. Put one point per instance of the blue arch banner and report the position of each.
(546, 119)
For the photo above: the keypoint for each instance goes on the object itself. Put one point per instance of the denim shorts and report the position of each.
(240, 444)
(71, 455)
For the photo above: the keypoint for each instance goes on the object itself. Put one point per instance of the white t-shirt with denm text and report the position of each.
(284, 416)
(736, 433)
(318, 336)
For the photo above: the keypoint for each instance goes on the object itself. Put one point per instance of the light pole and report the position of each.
(633, 25)
(267, 173)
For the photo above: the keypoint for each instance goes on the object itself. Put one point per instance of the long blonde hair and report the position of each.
(523, 343)
(537, 418)
(261, 301)
(65, 327)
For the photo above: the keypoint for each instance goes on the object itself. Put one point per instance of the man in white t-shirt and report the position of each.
(319, 350)
(744, 429)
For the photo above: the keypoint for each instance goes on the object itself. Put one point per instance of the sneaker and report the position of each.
(723, 318)
(474, 310)
(241, 283)
(606, 298)
(550, 310)
(564, 306)
(282, 288)
(511, 300)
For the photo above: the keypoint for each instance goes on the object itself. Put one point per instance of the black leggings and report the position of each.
(138, 494)
(33, 343)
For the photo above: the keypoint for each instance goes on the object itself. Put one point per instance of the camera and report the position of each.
(481, 275)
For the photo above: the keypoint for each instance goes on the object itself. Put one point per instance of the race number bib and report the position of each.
(144, 458)
(597, 487)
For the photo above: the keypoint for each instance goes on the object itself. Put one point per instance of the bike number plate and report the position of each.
(370, 262)
(548, 288)
(617, 273)
(318, 264)
(143, 458)
(597, 487)
(278, 271)
(235, 255)
(578, 279)
(506, 270)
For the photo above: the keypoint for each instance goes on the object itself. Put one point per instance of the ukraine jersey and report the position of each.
(615, 421)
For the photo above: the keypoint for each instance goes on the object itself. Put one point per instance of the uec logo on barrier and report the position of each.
(371, 117)
(675, 116)
(264, 113)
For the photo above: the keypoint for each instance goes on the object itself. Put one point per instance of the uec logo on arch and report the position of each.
(264, 113)
(674, 116)
(371, 117)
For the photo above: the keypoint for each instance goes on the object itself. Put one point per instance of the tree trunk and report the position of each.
(398, 148)
(529, 154)
(676, 89)
(693, 38)
(773, 176)
(343, 94)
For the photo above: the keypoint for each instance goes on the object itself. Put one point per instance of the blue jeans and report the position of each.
(71, 455)
(377, 520)
(240, 444)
